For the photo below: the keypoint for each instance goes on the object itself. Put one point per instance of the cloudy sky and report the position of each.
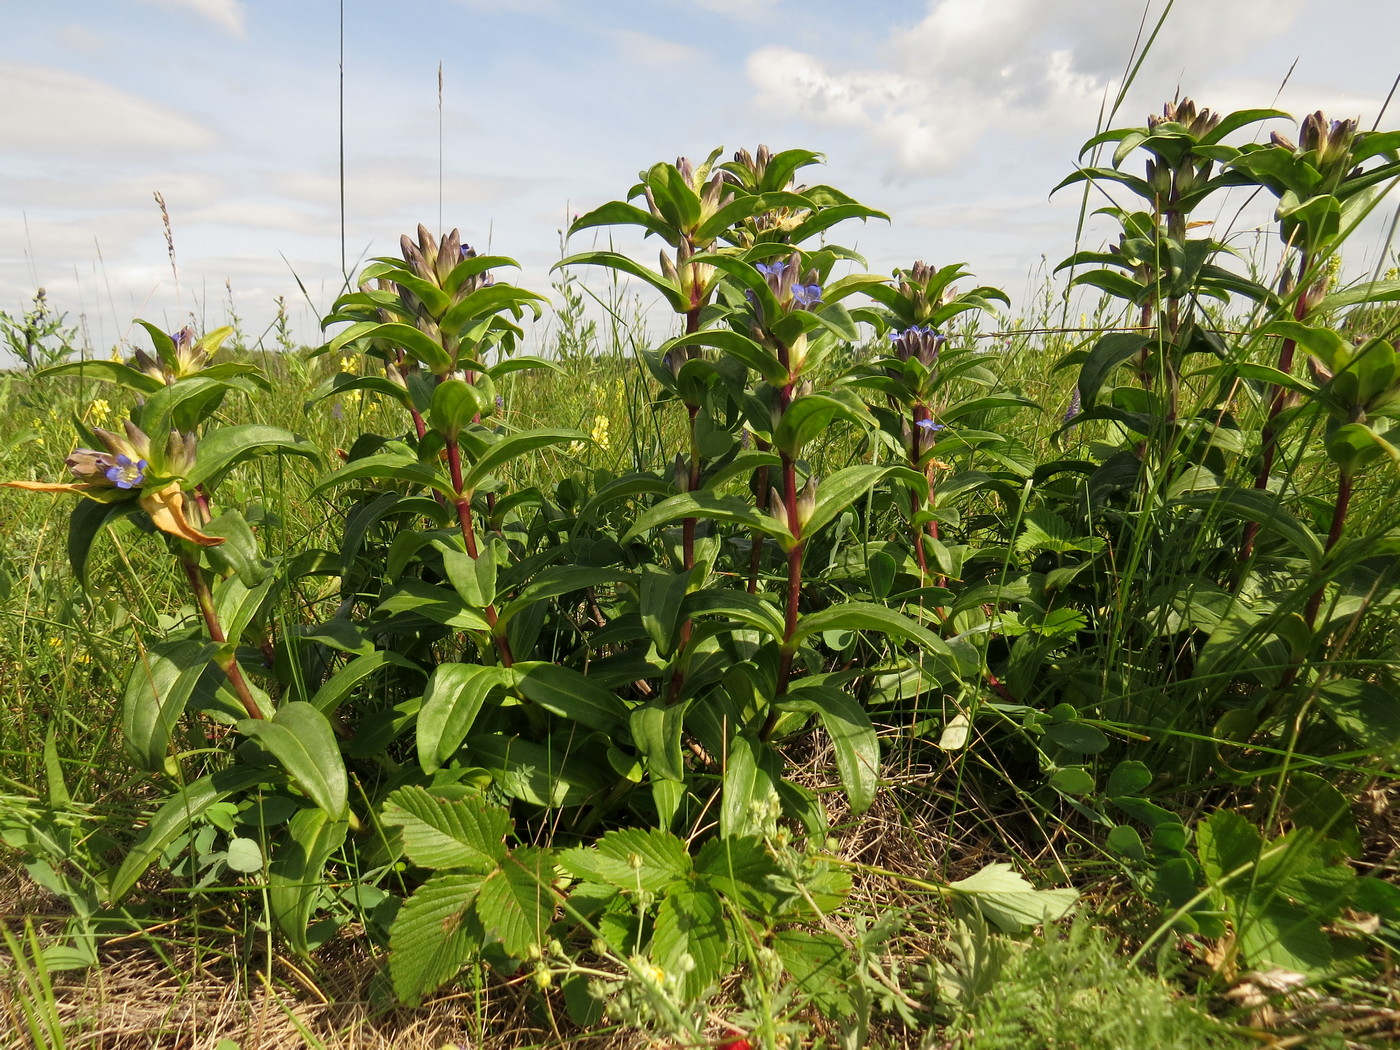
(956, 117)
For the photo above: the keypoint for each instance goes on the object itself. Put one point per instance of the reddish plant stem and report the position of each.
(463, 504)
(1334, 534)
(760, 496)
(692, 325)
(794, 593)
(205, 600)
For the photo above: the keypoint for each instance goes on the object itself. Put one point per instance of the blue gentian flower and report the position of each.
(806, 295)
(928, 424)
(126, 474)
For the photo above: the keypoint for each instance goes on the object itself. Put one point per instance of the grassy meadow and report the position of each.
(849, 660)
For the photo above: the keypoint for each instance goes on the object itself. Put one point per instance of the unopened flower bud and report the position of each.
(680, 474)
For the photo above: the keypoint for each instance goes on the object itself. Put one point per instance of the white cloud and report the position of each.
(1012, 68)
(739, 8)
(230, 15)
(56, 114)
(643, 49)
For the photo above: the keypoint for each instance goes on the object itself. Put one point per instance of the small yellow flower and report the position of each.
(347, 364)
(98, 411)
(600, 432)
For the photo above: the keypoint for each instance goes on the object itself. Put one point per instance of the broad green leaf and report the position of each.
(455, 404)
(88, 519)
(297, 874)
(105, 372)
(750, 786)
(451, 702)
(836, 493)
(510, 447)
(1107, 354)
(467, 833)
(678, 302)
(656, 730)
(631, 859)
(542, 774)
(712, 507)
(1010, 902)
(570, 694)
(517, 901)
(752, 610)
(434, 935)
(389, 467)
(176, 814)
(556, 581)
(662, 594)
(852, 737)
(417, 598)
(868, 616)
(807, 417)
(1262, 507)
(300, 738)
(161, 683)
(418, 345)
(222, 449)
(344, 682)
(690, 938)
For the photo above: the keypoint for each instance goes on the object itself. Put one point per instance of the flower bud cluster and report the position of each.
(921, 342)
(190, 357)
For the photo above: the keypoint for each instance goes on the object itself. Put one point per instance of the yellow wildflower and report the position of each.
(98, 411)
(600, 432)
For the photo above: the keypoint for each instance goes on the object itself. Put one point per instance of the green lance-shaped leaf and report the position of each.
(746, 351)
(748, 609)
(344, 682)
(661, 596)
(631, 859)
(1262, 507)
(1107, 354)
(467, 833)
(105, 372)
(690, 922)
(239, 553)
(869, 616)
(474, 579)
(88, 519)
(176, 814)
(161, 684)
(804, 419)
(1010, 902)
(539, 774)
(615, 213)
(387, 466)
(751, 776)
(852, 737)
(300, 738)
(556, 581)
(453, 699)
(671, 291)
(836, 493)
(238, 605)
(489, 300)
(295, 877)
(511, 447)
(570, 694)
(416, 344)
(656, 730)
(434, 935)
(516, 902)
(707, 505)
(344, 383)
(220, 450)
